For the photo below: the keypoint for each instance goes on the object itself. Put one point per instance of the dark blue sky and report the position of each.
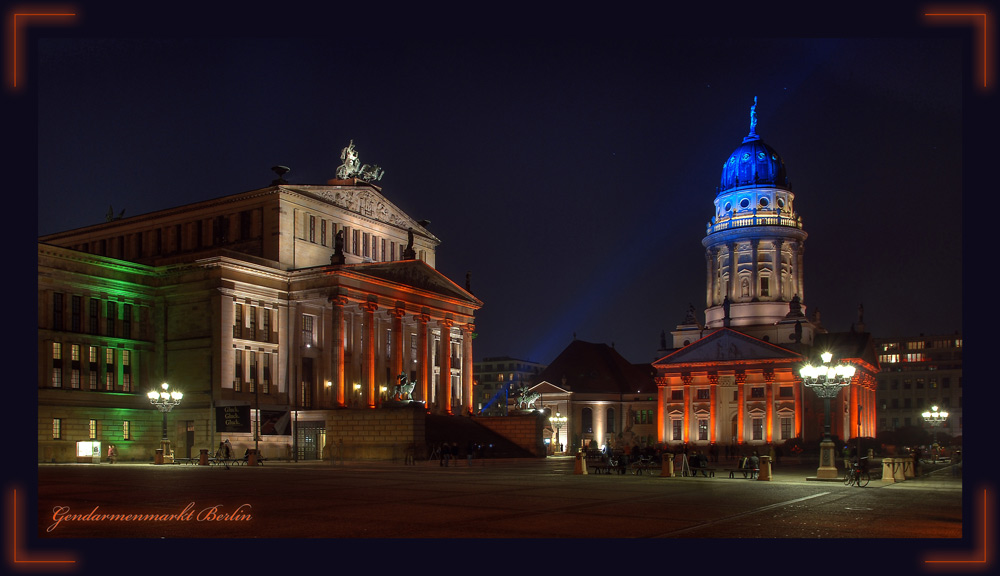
(572, 174)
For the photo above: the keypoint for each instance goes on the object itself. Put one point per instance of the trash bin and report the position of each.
(158, 458)
(580, 467)
(251, 457)
(667, 468)
(764, 473)
(203, 457)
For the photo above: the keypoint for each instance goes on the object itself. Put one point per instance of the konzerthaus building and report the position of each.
(278, 312)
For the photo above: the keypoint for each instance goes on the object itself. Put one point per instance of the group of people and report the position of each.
(446, 452)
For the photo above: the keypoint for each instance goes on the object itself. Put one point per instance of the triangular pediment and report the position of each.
(725, 345)
(546, 387)
(365, 200)
(416, 274)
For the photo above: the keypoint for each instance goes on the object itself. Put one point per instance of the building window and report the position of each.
(57, 428)
(702, 394)
(126, 430)
(92, 360)
(92, 430)
(112, 317)
(265, 386)
(95, 312)
(702, 429)
(322, 232)
(253, 322)
(76, 311)
(126, 370)
(312, 228)
(57, 364)
(676, 432)
(677, 395)
(757, 392)
(355, 242)
(610, 414)
(57, 311)
(786, 428)
(126, 321)
(587, 421)
(758, 428)
(265, 317)
(253, 371)
(237, 320)
(785, 392)
(764, 287)
(238, 371)
(307, 330)
(109, 369)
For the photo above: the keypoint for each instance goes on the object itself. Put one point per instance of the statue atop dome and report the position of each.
(753, 117)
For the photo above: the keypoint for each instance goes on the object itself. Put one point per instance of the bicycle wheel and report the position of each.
(863, 479)
(848, 478)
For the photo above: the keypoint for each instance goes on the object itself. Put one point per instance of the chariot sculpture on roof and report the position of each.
(353, 168)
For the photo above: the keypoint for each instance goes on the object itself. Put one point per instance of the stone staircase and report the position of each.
(462, 430)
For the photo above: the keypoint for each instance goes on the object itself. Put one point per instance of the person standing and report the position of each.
(112, 454)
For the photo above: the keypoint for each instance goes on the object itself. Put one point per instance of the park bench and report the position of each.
(706, 472)
(750, 473)
(645, 464)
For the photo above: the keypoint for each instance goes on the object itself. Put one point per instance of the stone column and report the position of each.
(799, 409)
(423, 372)
(733, 288)
(340, 396)
(686, 379)
(713, 380)
(754, 265)
(769, 407)
(369, 309)
(778, 269)
(467, 399)
(741, 379)
(711, 280)
(444, 382)
(397, 339)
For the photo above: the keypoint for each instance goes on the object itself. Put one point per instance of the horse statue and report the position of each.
(527, 399)
(403, 388)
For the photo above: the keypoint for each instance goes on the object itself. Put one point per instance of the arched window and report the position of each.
(610, 414)
(587, 421)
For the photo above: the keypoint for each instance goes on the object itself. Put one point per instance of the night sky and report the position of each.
(567, 160)
(572, 175)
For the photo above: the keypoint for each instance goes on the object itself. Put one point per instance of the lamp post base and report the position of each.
(168, 456)
(827, 463)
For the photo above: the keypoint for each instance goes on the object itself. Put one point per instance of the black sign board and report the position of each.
(232, 419)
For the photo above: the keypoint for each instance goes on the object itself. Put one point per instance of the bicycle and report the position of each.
(857, 475)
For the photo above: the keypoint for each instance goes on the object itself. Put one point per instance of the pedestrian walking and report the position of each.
(112, 454)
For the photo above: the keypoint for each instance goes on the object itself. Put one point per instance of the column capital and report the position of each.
(369, 306)
(338, 300)
(469, 327)
(398, 312)
(446, 323)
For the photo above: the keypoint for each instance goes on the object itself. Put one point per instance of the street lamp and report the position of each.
(164, 402)
(558, 422)
(935, 418)
(826, 381)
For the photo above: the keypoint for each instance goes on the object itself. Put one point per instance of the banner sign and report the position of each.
(275, 422)
(232, 419)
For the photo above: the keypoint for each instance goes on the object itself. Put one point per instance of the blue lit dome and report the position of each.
(753, 163)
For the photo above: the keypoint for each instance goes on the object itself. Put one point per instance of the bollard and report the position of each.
(764, 472)
(579, 467)
(252, 458)
(158, 458)
(888, 466)
(667, 469)
(203, 457)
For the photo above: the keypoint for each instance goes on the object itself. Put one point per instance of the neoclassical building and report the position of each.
(277, 312)
(734, 379)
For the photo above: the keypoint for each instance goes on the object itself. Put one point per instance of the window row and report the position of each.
(785, 430)
(254, 323)
(756, 393)
(87, 315)
(250, 368)
(90, 367)
(92, 429)
(178, 238)
(358, 242)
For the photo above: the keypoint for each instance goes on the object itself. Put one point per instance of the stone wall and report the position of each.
(376, 434)
(523, 430)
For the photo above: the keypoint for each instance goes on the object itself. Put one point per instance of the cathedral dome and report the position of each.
(753, 163)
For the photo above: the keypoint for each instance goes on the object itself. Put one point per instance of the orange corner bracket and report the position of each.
(20, 16)
(980, 17)
(19, 559)
(977, 560)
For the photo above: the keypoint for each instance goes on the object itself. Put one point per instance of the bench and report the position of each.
(645, 464)
(751, 471)
(185, 460)
(706, 472)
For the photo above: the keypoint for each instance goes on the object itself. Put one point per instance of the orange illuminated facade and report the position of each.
(734, 378)
(297, 302)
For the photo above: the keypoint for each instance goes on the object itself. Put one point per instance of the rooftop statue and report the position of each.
(753, 117)
(352, 167)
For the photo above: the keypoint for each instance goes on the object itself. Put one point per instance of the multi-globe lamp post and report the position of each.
(827, 381)
(935, 418)
(558, 421)
(164, 400)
